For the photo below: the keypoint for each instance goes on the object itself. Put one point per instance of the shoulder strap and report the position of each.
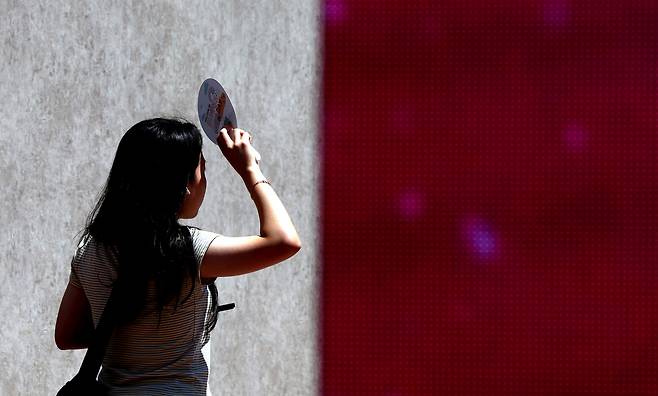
(96, 351)
(101, 337)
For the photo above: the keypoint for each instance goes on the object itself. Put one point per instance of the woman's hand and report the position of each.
(236, 146)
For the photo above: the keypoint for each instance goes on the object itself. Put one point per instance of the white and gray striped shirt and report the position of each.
(141, 358)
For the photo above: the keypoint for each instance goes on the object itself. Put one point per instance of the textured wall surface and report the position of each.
(74, 78)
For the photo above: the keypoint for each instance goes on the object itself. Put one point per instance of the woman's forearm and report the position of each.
(274, 219)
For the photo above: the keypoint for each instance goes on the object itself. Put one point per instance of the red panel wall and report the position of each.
(489, 198)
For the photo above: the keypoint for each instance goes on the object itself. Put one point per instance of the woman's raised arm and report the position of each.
(278, 239)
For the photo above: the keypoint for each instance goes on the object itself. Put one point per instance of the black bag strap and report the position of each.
(100, 338)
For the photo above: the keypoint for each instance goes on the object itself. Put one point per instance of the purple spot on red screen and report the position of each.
(575, 137)
(479, 237)
(412, 204)
(556, 13)
(335, 11)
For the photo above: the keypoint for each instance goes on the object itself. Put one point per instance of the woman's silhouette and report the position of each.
(167, 270)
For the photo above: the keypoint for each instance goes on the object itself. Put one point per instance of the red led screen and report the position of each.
(489, 193)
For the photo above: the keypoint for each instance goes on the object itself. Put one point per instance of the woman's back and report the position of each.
(158, 177)
(142, 357)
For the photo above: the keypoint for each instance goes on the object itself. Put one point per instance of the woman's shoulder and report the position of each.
(86, 241)
(91, 249)
(201, 239)
(199, 233)
(92, 259)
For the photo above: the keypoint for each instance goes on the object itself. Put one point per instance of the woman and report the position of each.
(167, 270)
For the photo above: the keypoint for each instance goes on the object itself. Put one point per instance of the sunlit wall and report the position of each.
(74, 76)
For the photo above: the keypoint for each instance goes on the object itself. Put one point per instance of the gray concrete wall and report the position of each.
(75, 77)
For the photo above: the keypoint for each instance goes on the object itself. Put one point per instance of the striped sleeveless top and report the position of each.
(142, 359)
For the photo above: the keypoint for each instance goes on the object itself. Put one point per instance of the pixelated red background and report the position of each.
(489, 185)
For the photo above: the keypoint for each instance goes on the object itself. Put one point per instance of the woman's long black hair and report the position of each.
(137, 216)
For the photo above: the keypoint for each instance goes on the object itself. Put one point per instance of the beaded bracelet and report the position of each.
(261, 181)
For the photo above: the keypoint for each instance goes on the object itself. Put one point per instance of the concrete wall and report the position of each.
(74, 78)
